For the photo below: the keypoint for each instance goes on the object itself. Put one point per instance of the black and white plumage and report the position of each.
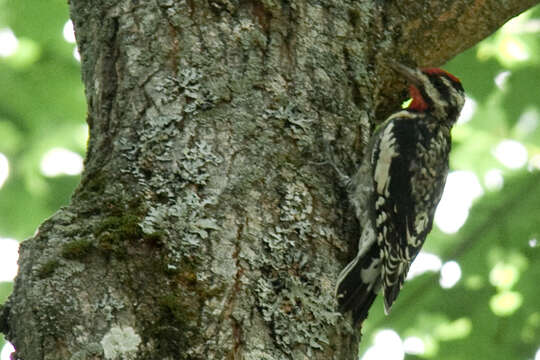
(401, 181)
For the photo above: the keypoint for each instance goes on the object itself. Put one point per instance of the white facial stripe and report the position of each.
(447, 83)
(433, 94)
(456, 97)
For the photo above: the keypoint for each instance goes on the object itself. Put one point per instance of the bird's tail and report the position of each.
(360, 281)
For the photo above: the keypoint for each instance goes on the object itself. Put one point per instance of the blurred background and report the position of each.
(474, 290)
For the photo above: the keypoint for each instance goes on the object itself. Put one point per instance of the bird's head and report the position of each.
(433, 90)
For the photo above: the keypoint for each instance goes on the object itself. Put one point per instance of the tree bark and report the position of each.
(204, 226)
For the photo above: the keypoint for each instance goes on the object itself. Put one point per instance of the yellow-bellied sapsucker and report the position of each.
(397, 188)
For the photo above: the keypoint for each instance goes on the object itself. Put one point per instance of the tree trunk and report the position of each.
(205, 226)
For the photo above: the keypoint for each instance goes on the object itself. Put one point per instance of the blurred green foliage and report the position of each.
(42, 106)
(492, 312)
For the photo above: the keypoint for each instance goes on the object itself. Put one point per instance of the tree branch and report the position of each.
(432, 32)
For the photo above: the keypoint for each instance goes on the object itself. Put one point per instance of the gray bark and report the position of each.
(204, 227)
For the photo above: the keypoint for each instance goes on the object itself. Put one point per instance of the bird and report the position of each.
(398, 188)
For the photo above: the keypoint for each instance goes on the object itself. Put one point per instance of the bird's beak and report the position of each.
(410, 74)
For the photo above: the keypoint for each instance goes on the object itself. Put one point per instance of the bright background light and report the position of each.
(4, 169)
(505, 303)
(502, 78)
(468, 110)
(493, 179)
(414, 345)
(461, 188)
(528, 122)
(534, 163)
(387, 345)
(511, 154)
(503, 276)
(60, 161)
(68, 32)
(6, 351)
(450, 274)
(8, 42)
(515, 49)
(69, 35)
(424, 262)
(9, 253)
(76, 54)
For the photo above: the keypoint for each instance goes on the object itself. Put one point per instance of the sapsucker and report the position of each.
(397, 188)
